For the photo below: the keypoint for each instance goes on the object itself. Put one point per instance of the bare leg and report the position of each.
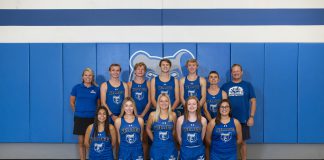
(145, 146)
(243, 150)
(82, 147)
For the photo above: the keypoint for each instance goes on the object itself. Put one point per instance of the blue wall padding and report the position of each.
(14, 92)
(46, 93)
(251, 57)
(216, 57)
(76, 57)
(38, 79)
(310, 93)
(280, 93)
(112, 53)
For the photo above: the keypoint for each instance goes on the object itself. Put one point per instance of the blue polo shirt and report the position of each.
(239, 94)
(85, 100)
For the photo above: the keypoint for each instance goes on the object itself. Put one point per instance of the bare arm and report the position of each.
(238, 131)
(181, 85)
(250, 121)
(103, 91)
(153, 100)
(207, 114)
(148, 105)
(224, 95)
(204, 126)
(209, 131)
(203, 91)
(129, 86)
(141, 122)
(117, 125)
(112, 134)
(72, 103)
(149, 126)
(179, 125)
(176, 94)
(87, 136)
(126, 89)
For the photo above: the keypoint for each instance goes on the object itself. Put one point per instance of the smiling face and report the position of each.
(192, 67)
(192, 105)
(213, 78)
(224, 109)
(237, 73)
(87, 77)
(165, 67)
(164, 103)
(129, 108)
(102, 115)
(114, 71)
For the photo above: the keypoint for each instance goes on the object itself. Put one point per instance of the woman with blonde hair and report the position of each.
(129, 129)
(84, 99)
(161, 130)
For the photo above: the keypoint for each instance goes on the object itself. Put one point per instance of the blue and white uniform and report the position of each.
(223, 144)
(165, 87)
(192, 88)
(86, 99)
(192, 146)
(100, 147)
(139, 92)
(163, 141)
(239, 95)
(212, 102)
(130, 147)
(115, 97)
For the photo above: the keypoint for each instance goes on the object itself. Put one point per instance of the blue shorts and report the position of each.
(196, 153)
(127, 153)
(163, 152)
(219, 154)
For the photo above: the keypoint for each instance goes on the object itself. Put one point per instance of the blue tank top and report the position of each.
(212, 101)
(100, 147)
(191, 134)
(224, 137)
(115, 97)
(139, 92)
(165, 87)
(192, 88)
(130, 133)
(162, 132)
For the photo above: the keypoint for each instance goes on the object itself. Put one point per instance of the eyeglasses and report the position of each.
(224, 107)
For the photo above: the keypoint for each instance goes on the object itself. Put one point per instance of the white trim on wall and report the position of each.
(160, 34)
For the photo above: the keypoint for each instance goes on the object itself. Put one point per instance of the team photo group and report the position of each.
(164, 118)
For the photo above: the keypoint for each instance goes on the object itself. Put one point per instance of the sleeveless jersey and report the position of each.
(162, 132)
(115, 97)
(130, 133)
(165, 87)
(212, 102)
(192, 88)
(100, 147)
(224, 141)
(191, 134)
(139, 92)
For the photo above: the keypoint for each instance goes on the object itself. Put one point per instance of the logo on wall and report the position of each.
(178, 60)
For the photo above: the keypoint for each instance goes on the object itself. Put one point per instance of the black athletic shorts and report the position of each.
(81, 125)
(245, 132)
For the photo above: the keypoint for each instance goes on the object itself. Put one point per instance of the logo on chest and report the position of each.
(130, 138)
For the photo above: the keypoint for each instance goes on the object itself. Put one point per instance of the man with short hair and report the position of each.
(243, 101)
